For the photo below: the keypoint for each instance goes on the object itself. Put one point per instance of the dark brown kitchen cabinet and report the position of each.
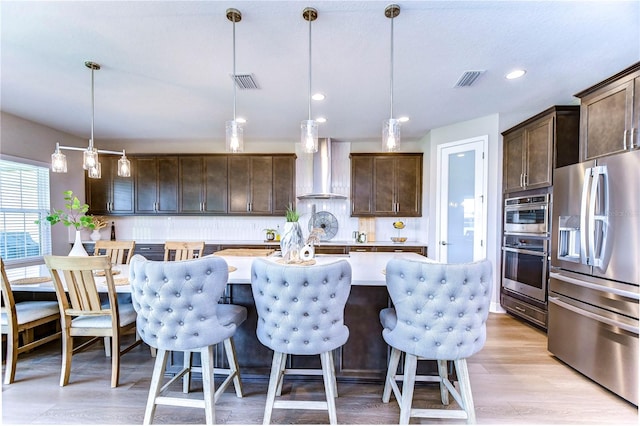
(386, 185)
(203, 184)
(533, 148)
(261, 184)
(610, 115)
(111, 194)
(156, 185)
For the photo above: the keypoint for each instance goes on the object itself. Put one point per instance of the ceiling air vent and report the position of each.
(245, 81)
(468, 78)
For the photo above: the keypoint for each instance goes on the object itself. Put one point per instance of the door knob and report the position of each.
(443, 243)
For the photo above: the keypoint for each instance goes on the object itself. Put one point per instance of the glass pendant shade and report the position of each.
(89, 158)
(124, 166)
(309, 136)
(58, 161)
(95, 172)
(391, 135)
(234, 136)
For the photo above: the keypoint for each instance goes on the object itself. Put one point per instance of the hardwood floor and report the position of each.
(514, 381)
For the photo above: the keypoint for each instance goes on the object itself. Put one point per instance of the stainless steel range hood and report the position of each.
(321, 189)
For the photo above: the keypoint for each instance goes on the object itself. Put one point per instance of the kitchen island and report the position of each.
(364, 356)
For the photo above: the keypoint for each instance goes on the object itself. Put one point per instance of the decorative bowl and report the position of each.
(398, 239)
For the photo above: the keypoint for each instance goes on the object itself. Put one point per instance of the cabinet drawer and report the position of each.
(524, 310)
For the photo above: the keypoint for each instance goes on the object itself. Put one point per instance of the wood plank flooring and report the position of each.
(514, 381)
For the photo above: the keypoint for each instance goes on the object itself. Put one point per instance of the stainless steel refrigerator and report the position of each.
(595, 270)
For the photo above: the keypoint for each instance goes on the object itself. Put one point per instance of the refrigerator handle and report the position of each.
(597, 255)
(583, 217)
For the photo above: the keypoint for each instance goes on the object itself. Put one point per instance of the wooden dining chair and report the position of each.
(19, 321)
(119, 252)
(183, 250)
(83, 314)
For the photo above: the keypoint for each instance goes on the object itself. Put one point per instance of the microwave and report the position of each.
(527, 215)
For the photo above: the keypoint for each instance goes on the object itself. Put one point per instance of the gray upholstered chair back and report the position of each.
(301, 308)
(177, 302)
(441, 309)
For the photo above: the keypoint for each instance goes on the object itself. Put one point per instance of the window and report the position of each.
(24, 199)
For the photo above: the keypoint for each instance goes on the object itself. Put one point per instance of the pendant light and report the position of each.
(90, 160)
(309, 128)
(391, 127)
(234, 132)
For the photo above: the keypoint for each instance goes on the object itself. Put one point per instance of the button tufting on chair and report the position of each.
(455, 299)
(201, 282)
(316, 333)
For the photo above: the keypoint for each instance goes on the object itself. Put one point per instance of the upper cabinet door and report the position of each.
(539, 154)
(156, 185)
(606, 116)
(386, 185)
(239, 184)
(284, 178)
(408, 189)
(215, 184)
(513, 163)
(610, 115)
(384, 181)
(361, 185)
(260, 188)
(191, 186)
(111, 194)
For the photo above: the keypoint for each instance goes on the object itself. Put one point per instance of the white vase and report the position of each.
(95, 235)
(78, 248)
(291, 242)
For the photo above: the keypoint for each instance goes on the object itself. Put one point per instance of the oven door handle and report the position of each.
(531, 252)
(557, 301)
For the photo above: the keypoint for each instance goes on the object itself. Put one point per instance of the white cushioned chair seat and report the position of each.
(231, 314)
(126, 312)
(31, 311)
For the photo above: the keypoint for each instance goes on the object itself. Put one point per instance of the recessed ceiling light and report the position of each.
(321, 120)
(515, 74)
(403, 119)
(241, 120)
(318, 97)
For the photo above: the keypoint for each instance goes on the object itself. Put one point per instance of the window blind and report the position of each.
(24, 199)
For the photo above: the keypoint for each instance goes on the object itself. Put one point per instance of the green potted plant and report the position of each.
(270, 234)
(73, 214)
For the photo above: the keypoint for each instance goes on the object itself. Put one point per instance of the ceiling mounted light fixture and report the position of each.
(90, 155)
(391, 127)
(234, 130)
(309, 128)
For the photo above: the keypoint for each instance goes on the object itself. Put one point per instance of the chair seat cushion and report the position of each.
(231, 314)
(126, 312)
(388, 318)
(32, 311)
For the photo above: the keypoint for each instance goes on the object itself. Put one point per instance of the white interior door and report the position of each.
(461, 219)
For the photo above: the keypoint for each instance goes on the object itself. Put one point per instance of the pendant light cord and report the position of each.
(234, 71)
(92, 109)
(310, 69)
(391, 73)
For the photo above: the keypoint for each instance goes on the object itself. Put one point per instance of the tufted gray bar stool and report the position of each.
(178, 310)
(440, 313)
(301, 312)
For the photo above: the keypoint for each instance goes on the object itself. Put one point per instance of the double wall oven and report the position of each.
(525, 254)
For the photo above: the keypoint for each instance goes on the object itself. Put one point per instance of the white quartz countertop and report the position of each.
(367, 269)
(277, 243)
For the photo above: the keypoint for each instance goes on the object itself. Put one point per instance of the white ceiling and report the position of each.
(166, 65)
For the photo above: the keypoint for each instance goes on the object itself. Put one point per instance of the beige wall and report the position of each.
(24, 140)
(488, 125)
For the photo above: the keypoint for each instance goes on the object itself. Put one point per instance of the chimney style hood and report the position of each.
(321, 189)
